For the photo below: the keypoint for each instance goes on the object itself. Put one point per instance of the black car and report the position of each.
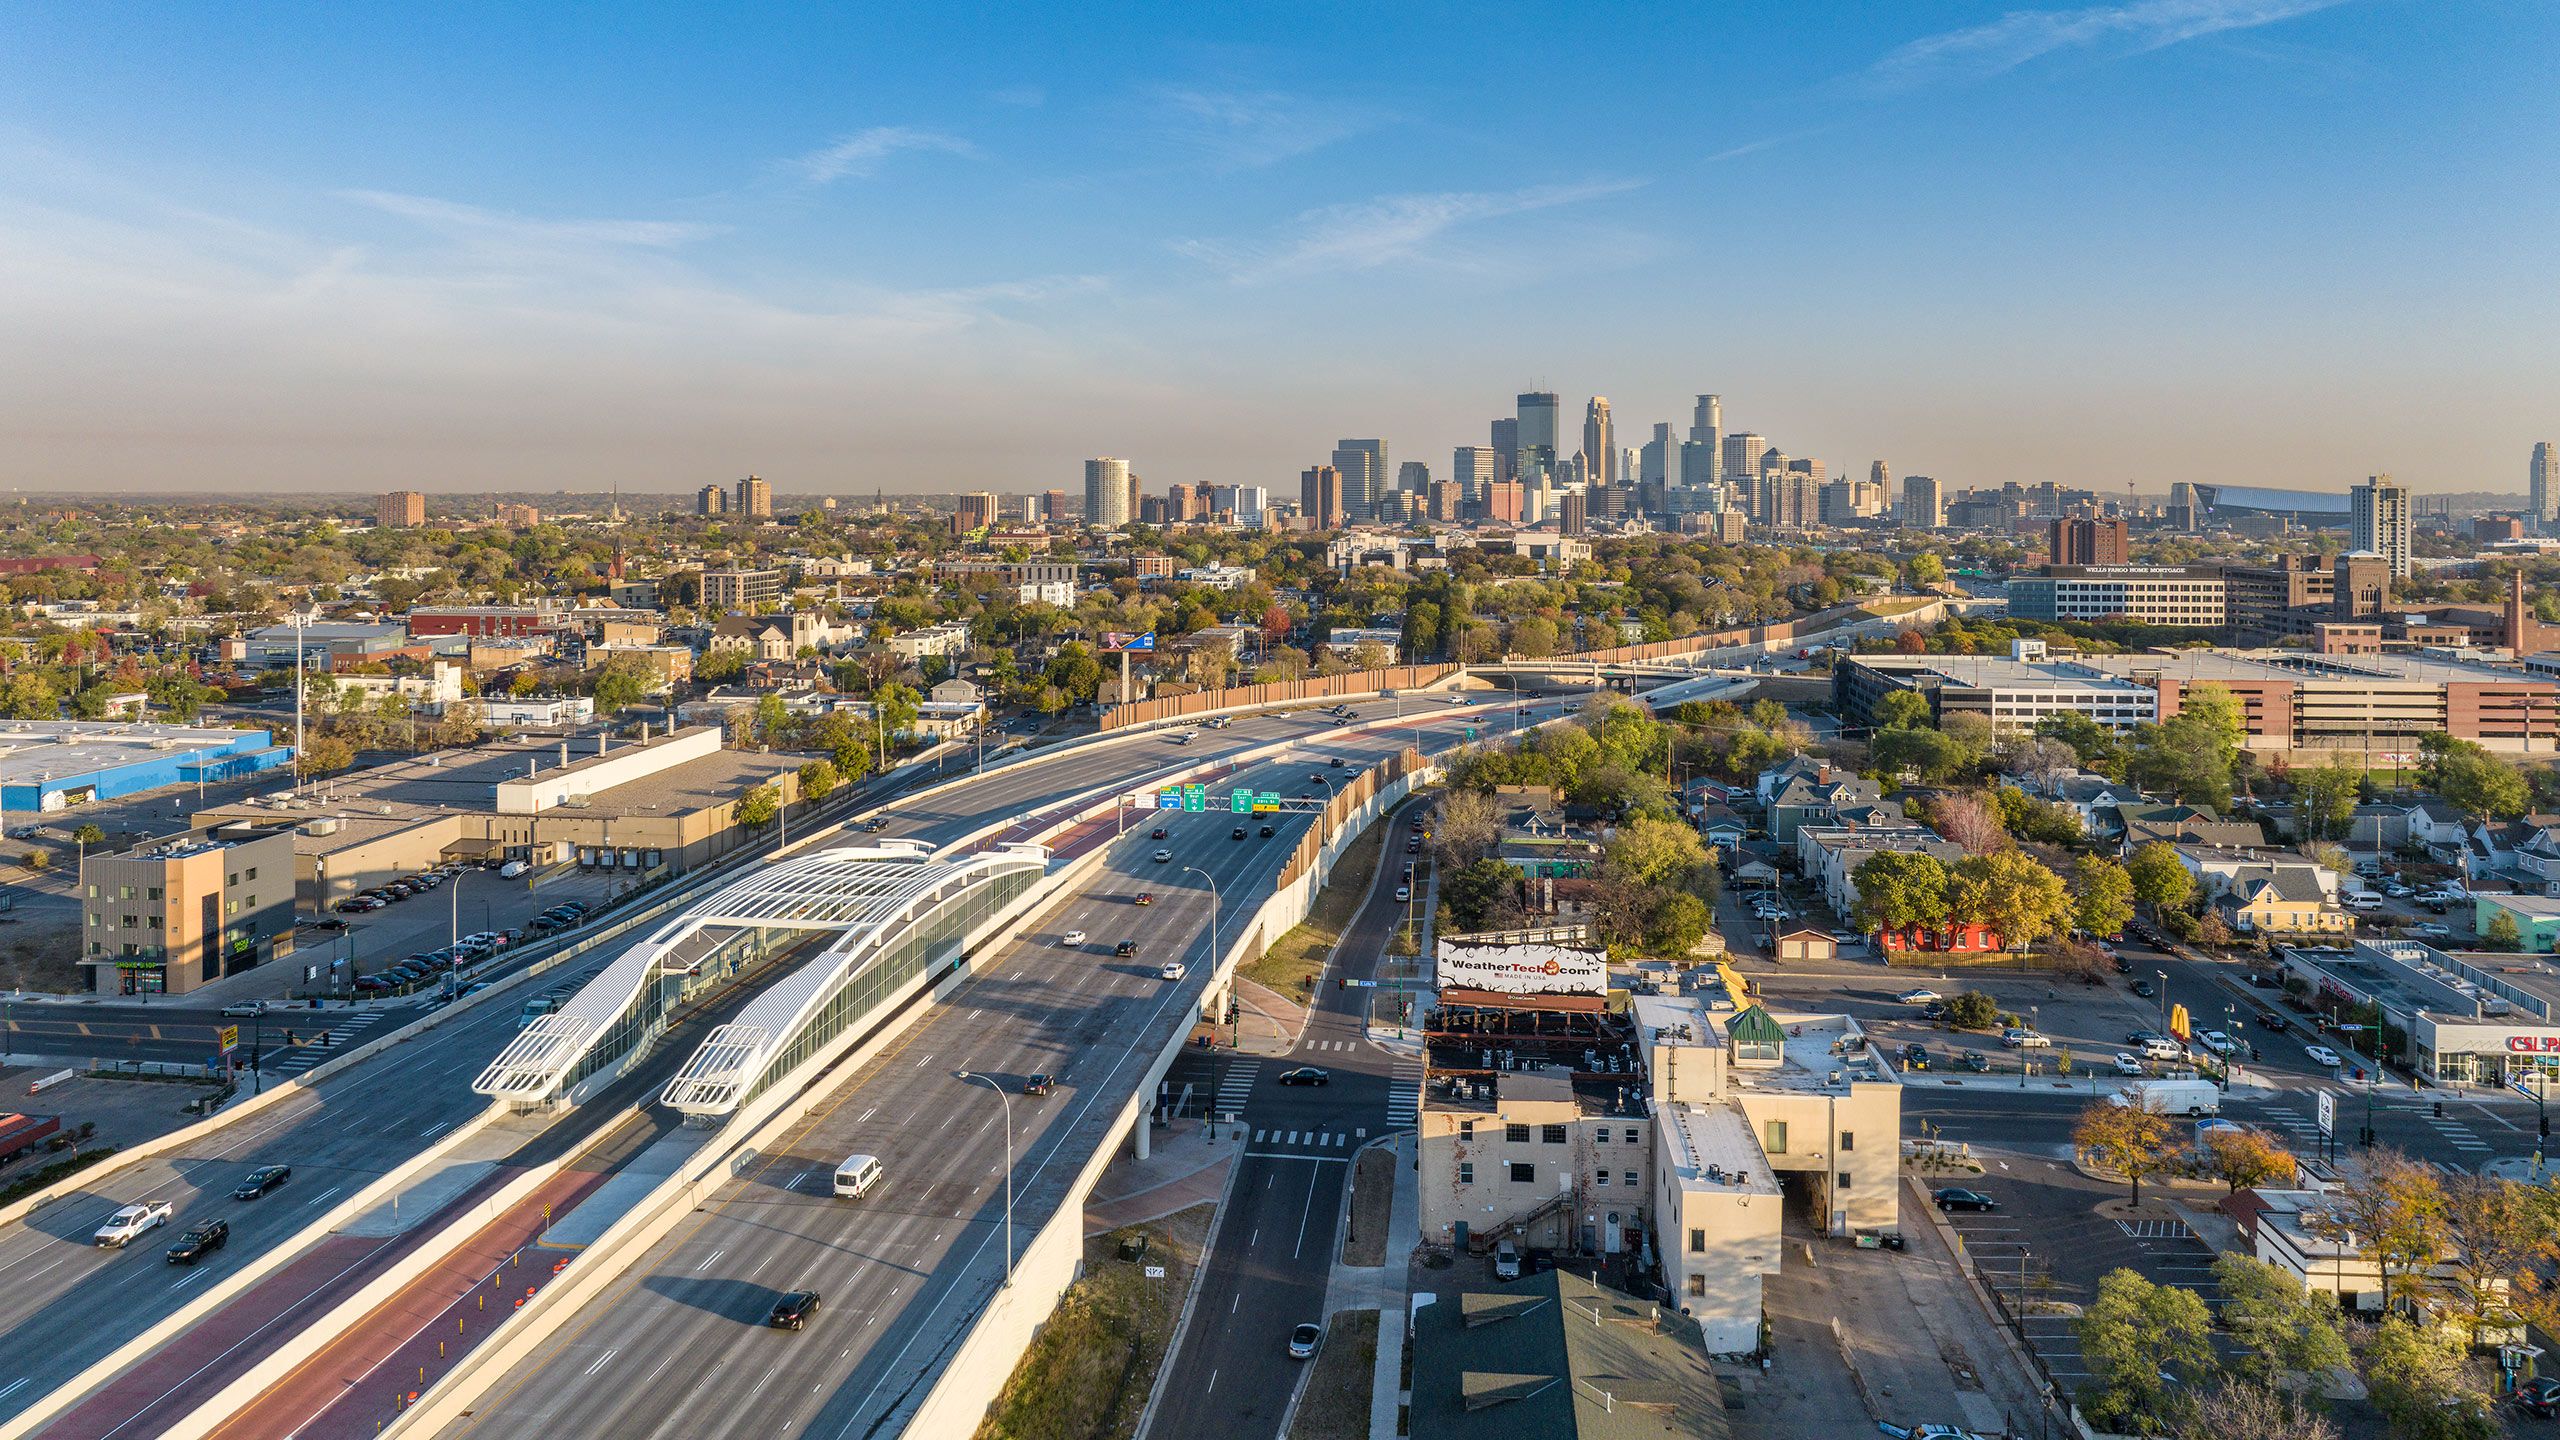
(1952, 1199)
(1915, 1056)
(1304, 1075)
(1335, 762)
(2143, 988)
(2539, 1398)
(1270, 830)
(1973, 1060)
(262, 1179)
(2270, 1021)
(1038, 1085)
(1125, 948)
(793, 1310)
(1236, 834)
(201, 1239)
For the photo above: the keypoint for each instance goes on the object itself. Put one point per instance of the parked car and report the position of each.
(1304, 1341)
(2322, 1055)
(2127, 1063)
(2145, 989)
(199, 1240)
(793, 1310)
(1974, 1061)
(2431, 930)
(2539, 1397)
(1915, 1056)
(1954, 1199)
(1917, 997)
(133, 1221)
(1304, 1075)
(2019, 1037)
(1506, 1261)
(261, 1180)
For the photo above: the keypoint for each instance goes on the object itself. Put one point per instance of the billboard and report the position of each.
(1116, 640)
(1525, 969)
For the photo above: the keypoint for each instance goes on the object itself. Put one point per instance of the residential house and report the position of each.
(1829, 855)
(2143, 823)
(2280, 900)
(2418, 824)
(1943, 940)
(1722, 828)
(2217, 869)
(1822, 796)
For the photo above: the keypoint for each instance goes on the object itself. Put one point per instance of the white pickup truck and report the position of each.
(130, 1223)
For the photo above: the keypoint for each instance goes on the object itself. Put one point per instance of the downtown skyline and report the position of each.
(2270, 242)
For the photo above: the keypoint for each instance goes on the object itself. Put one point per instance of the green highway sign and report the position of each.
(1195, 797)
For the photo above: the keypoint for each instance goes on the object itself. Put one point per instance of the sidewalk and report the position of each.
(1387, 1289)
(1184, 1167)
(1267, 1022)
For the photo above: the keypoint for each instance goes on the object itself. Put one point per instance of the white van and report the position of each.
(856, 1176)
(2172, 1097)
(512, 869)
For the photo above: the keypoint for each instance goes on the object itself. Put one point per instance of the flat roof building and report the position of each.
(51, 765)
(2012, 692)
(2187, 596)
(2293, 701)
(170, 915)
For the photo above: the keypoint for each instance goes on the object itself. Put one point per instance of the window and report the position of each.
(152, 894)
(155, 922)
(232, 879)
(253, 872)
(1848, 1139)
(1697, 1242)
(93, 892)
(1697, 1284)
(1603, 1178)
(1523, 1173)
(1634, 1136)
(1515, 1133)
(124, 892)
(1631, 1178)
(1466, 1172)
(1844, 1182)
(1466, 1129)
(1552, 1134)
(1775, 1139)
(130, 921)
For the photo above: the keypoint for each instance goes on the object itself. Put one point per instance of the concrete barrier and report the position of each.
(253, 1269)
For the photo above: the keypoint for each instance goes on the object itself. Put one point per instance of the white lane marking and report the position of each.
(707, 1260)
(603, 1360)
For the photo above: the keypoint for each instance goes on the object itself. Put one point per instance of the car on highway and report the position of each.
(2322, 1055)
(1163, 856)
(132, 1222)
(1071, 939)
(876, 823)
(2018, 1037)
(261, 1180)
(245, 1009)
(1304, 1075)
(1270, 830)
(199, 1240)
(1403, 893)
(1304, 1341)
(1144, 897)
(1157, 833)
(2127, 1063)
(2273, 1023)
(1460, 700)
(1172, 970)
(1952, 1199)
(1335, 762)
(1506, 1261)
(1917, 997)
(1125, 948)
(1236, 834)
(1038, 1085)
(1316, 780)
(793, 1310)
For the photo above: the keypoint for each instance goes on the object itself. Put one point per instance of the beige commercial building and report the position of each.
(166, 917)
(401, 510)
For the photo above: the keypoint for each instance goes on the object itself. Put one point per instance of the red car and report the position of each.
(1144, 899)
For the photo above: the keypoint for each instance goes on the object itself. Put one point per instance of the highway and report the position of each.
(677, 1348)
(65, 1304)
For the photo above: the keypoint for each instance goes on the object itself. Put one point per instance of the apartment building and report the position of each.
(168, 916)
(740, 589)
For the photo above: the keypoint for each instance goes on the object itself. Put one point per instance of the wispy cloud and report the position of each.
(2022, 36)
(1375, 233)
(476, 228)
(859, 154)
(1248, 129)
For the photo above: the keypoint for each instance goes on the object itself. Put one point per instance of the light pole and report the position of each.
(1001, 1094)
(2163, 977)
(1215, 903)
(454, 924)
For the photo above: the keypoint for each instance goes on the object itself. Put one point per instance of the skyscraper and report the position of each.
(1363, 464)
(1706, 427)
(1320, 497)
(755, 498)
(1599, 449)
(1880, 474)
(1697, 464)
(1742, 458)
(2379, 522)
(1924, 503)
(2081, 541)
(401, 510)
(1506, 449)
(1474, 467)
(1106, 494)
(1538, 427)
(974, 510)
(711, 500)
(2542, 487)
(1575, 518)
(1053, 506)
(1414, 477)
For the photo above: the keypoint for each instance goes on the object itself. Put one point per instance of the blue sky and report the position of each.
(498, 246)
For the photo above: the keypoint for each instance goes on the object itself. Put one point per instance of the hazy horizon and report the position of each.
(2286, 243)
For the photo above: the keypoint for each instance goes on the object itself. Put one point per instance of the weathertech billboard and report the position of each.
(1525, 969)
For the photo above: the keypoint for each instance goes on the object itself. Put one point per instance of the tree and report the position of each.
(2192, 754)
(1657, 853)
(1676, 924)
(1932, 755)
(721, 665)
(818, 780)
(2324, 800)
(896, 707)
(2041, 821)
(773, 718)
(2495, 1230)
(1972, 1010)
(2280, 1324)
(2103, 904)
(1482, 896)
(2143, 1343)
(759, 806)
(89, 834)
(2160, 879)
(2238, 1410)
(29, 696)
(2418, 1381)
(2392, 1213)
(2129, 1139)
(2243, 1158)
(1467, 828)
(1901, 891)
(621, 682)
(324, 755)
(2480, 784)
(2014, 894)
(1903, 710)
(1925, 569)
(2501, 933)
(1971, 820)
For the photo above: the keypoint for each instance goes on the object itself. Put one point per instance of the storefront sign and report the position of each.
(2534, 1044)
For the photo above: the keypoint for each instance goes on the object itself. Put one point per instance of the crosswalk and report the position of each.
(1335, 1045)
(1282, 1144)
(2457, 1134)
(317, 1050)
(1236, 1086)
(1404, 1093)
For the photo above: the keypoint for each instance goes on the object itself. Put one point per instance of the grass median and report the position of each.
(1335, 1405)
(1295, 962)
(1088, 1374)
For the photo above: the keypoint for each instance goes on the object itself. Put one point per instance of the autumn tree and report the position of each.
(2241, 1410)
(1467, 828)
(2494, 1230)
(2011, 892)
(1970, 820)
(1900, 890)
(2419, 1380)
(2243, 1158)
(2392, 1213)
(2129, 1139)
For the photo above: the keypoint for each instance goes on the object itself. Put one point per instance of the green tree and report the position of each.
(621, 682)
(2103, 904)
(1653, 853)
(1934, 756)
(2160, 879)
(1903, 710)
(2324, 800)
(818, 780)
(29, 696)
(759, 807)
(2501, 933)
(89, 834)
(2192, 755)
(2419, 1381)
(2013, 893)
(2280, 1325)
(2145, 1345)
(720, 665)
(1480, 896)
(2479, 783)
(1972, 1010)
(1925, 569)
(773, 719)
(896, 707)
(1901, 891)
(324, 755)
(1676, 925)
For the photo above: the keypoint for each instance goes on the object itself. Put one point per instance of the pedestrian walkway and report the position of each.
(1187, 1165)
(1235, 1087)
(325, 1046)
(1404, 1093)
(1281, 1144)
(1387, 1289)
(1267, 1022)
(1333, 1046)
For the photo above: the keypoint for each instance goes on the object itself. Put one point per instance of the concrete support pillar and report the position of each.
(1138, 1138)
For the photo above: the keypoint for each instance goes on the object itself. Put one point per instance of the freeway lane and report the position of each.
(1272, 1256)
(675, 1348)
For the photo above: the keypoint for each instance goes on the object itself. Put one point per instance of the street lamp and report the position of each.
(1215, 904)
(1007, 1098)
(2163, 977)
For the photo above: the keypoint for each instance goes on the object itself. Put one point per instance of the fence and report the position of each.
(1277, 692)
